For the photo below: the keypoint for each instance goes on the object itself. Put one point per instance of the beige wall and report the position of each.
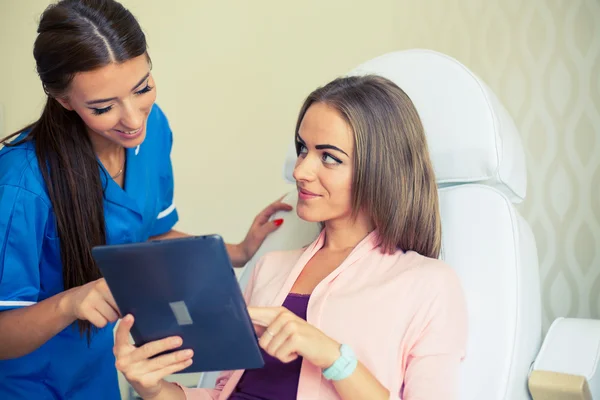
(231, 76)
(542, 59)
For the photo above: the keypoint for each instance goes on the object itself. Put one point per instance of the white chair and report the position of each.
(480, 168)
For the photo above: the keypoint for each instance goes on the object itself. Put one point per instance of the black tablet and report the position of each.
(183, 287)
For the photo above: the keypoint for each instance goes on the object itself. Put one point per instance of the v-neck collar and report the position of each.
(367, 244)
(132, 182)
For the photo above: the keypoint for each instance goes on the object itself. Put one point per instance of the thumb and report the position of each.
(123, 330)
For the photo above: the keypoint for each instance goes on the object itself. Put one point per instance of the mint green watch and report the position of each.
(343, 367)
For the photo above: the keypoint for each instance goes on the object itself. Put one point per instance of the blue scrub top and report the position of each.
(31, 268)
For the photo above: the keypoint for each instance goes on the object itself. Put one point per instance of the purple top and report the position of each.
(276, 380)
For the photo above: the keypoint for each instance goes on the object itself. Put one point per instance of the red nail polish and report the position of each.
(278, 222)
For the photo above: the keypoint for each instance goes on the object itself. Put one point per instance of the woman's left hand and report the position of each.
(260, 228)
(286, 336)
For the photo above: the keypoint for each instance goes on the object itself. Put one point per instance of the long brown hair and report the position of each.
(393, 177)
(76, 36)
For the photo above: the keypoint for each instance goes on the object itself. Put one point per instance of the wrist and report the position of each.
(153, 393)
(344, 365)
(238, 255)
(64, 305)
(330, 355)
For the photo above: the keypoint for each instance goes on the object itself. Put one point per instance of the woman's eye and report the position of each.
(145, 90)
(100, 111)
(301, 149)
(329, 159)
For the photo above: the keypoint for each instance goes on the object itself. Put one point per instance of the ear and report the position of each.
(64, 101)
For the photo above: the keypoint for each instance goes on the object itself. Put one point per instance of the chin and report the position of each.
(305, 213)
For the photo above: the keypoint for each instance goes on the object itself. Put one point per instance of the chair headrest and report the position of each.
(471, 136)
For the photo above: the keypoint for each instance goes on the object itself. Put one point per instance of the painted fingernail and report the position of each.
(278, 222)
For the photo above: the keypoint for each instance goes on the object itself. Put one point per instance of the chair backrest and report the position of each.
(480, 169)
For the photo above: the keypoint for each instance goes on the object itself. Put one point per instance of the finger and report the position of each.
(151, 349)
(271, 209)
(156, 376)
(167, 360)
(270, 226)
(260, 330)
(278, 332)
(263, 316)
(287, 351)
(95, 318)
(108, 297)
(271, 341)
(277, 206)
(123, 330)
(107, 311)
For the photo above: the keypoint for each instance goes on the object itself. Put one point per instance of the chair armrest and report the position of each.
(566, 367)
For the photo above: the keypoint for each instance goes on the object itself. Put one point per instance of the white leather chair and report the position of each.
(480, 168)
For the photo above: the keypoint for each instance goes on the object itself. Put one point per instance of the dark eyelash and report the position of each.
(299, 147)
(145, 90)
(100, 111)
(332, 157)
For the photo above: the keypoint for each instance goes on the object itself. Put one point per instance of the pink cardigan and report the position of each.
(404, 315)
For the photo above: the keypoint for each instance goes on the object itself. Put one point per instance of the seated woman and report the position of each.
(367, 311)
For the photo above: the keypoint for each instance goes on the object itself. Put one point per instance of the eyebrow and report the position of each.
(322, 146)
(114, 98)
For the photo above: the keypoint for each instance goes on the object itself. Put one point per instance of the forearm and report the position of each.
(236, 254)
(24, 330)
(361, 385)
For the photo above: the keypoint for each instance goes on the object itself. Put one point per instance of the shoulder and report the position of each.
(158, 132)
(438, 290)
(19, 168)
(157, 115)
(157, 120)
(431, 278)
(431, 269)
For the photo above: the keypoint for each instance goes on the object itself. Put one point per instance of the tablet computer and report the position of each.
(183, 287)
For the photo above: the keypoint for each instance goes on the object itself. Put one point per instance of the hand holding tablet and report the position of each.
(184, 288)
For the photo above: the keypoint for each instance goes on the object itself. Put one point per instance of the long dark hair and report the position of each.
(76, 36)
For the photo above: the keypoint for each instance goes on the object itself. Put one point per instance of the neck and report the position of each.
(341, 235)
(110, 154)
(105, 149)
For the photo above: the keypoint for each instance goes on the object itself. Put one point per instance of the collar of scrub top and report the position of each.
(135, 177)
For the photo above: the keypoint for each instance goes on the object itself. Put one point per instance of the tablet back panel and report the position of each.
(183, 287)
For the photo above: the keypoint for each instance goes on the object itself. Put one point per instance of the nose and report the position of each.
(132, 118)
(304, 171)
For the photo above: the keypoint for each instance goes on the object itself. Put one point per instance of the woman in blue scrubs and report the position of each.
(94, 169)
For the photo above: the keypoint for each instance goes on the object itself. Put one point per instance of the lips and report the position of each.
(304, 194)
(307, 192)
(130, 135)
(129, 132)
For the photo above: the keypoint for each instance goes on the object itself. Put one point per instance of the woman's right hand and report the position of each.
(143, 372)
(91, 302)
